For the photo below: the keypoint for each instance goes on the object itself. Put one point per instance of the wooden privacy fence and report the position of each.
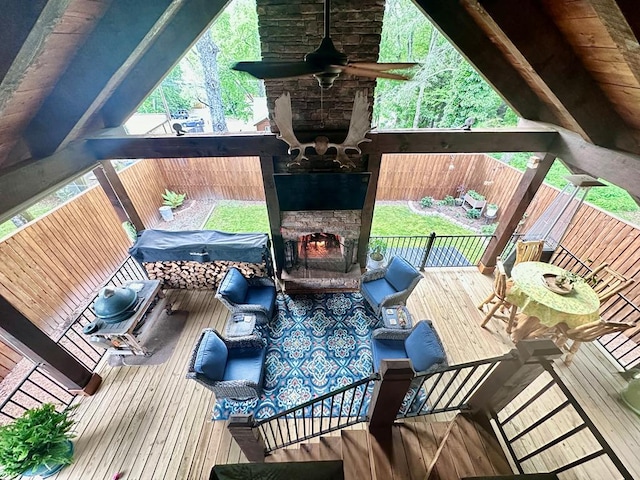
(50, 266)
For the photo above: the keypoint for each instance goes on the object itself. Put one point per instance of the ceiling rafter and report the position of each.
(457, 25)
(100, 64)
(524, 30)
(174, 40)
(621, 31)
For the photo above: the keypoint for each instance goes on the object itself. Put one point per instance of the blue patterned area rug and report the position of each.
(316, 344)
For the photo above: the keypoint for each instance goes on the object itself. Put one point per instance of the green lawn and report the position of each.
(388, 220)
(239, 217)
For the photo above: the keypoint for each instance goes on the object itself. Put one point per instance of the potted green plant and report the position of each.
(171, 200)
(377, 249)
(491, 210)
(37, 443)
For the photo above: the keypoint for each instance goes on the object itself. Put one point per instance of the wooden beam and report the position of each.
(107, 56)
(34, 344)
(167, 49)
(273, 211)
(29, 182)
(457, 25)
(619, 168)
(373, 163)
(23, 28)
(122, 203)
(515, 209)
(533, 40)
(620, 30)
(400, 141)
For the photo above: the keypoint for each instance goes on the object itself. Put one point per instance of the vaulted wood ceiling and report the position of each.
(72, 69)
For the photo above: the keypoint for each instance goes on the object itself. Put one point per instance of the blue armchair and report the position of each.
(253, 295)
(421, 345)
(390, 285)
(231, 368)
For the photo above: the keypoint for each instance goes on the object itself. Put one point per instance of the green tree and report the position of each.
(177, 94)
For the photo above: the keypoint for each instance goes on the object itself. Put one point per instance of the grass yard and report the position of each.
(388, 220)
(239, 217)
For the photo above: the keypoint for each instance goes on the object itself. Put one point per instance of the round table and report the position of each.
(546, 308)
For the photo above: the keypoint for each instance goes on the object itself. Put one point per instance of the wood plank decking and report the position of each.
(151, 423)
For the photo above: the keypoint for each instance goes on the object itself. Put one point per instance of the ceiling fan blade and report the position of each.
(364, 72)
(267, 70)
(382, 67)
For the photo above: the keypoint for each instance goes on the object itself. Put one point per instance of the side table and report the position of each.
(397, 316)
(240, 325)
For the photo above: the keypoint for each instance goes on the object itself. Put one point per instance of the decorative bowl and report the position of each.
(549, 281)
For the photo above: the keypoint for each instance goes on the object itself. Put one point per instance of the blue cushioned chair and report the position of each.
(231, 368)
(421, 345)
(390, 285)
(255, 295)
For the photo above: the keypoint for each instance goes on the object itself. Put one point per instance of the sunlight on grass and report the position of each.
(239, 217)
(400, 220)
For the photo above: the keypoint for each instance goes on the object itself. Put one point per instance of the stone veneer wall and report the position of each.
(289, 30)
(345, 223)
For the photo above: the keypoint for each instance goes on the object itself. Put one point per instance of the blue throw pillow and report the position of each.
(400, 274)
(211, 358)
(234, 286)
(423, 347)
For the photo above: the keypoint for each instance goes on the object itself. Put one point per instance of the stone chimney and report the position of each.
(289, 30)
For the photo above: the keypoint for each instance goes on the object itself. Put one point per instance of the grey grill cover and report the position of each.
(200, 246)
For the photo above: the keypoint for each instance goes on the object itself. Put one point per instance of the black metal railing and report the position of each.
(623, 347)
(35, 387)
(447, 389)
(522, 425)
(332, 411)
(437, 250)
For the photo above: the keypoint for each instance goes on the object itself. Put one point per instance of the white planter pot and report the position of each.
(166, 212)
(373, 264)
(491, 212)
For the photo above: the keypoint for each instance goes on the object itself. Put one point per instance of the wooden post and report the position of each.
(273, 211)
(248, 439)
(117, 194)
(373, 163)
(520, 201)
(511, 377)
(34, 344)
(389, 392)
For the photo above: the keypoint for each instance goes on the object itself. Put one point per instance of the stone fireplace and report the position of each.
(321, 250)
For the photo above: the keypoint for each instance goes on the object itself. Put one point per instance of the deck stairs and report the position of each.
(454, 450)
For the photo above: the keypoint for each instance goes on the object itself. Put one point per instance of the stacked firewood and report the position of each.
(196, 275)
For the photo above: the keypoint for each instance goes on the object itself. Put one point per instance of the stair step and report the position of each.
(355, 454)
(331, 448)
(467, 450)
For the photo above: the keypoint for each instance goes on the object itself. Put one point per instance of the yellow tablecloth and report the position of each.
(528, 292)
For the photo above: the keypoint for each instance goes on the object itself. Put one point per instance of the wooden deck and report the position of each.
(151, 423)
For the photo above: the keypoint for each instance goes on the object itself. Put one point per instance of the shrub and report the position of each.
(489, 229)
(173, 199)
(475, 195)
(449, 201)
(426, 202)
(473, 213)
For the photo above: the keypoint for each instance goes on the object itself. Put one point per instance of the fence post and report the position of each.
(249, 439)
(388, 393)
(511, 377)
(427, 250)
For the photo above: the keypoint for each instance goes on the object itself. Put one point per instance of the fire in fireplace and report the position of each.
(319, 251)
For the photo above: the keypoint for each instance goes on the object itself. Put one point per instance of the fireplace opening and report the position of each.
(319, 251)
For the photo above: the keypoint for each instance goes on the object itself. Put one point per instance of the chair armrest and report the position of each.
(375, 274)
(384, 333)
(261, 282)
(249, 341)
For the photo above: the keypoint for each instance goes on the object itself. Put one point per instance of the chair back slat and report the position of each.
(606, 282)
(528, 251)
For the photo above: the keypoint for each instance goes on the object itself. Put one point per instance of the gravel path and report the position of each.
(190, 217)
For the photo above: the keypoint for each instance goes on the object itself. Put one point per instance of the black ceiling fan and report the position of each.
(325, 63)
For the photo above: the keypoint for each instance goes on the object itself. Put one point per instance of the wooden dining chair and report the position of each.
(584, 333)
(528, 251)
(607, 282)
(497, 299)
